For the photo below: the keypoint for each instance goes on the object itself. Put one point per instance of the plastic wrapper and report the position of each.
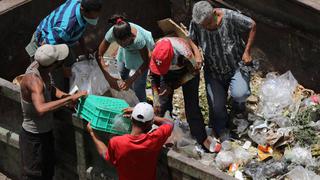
(276, 93)
(178, 134)
(190, 151)
(258, 132)
(299, 155)
(241, 124)
(224, 159)
(121, 124)
(282, 121)
(258, 138)
(267, 170)
(226, 145)
(207, 159)
(300, 173)
(242, 156)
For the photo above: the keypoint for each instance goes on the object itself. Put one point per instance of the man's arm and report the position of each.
(245, 24)
(155, 84)
(196, 53)
(247, 52)
(38, 100)
(101, 147)
(161, 121)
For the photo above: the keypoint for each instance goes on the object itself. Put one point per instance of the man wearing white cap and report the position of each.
(36, 138)
(135, 155)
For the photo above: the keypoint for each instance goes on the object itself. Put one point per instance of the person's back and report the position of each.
(135, 155)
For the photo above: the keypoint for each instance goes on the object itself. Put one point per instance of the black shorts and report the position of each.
(37, 155)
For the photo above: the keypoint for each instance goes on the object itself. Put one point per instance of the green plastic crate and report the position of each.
(104, 114)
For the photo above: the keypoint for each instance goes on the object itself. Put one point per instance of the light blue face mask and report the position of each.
(91, 21)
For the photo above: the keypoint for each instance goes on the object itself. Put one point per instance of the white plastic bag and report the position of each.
(276, 93)
(87, 75)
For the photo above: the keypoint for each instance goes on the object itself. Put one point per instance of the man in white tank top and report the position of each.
(36, 139)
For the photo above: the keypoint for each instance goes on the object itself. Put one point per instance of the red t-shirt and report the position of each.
(135, 157)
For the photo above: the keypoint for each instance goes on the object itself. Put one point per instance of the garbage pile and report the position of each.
(279, 138)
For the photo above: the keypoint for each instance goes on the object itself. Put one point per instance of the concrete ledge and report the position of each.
(193, 168)
(9, 90)
(9, 138)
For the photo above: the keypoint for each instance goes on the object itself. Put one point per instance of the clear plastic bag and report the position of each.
(224, 159)
(282, 121)
(299, 155)
(121, 124)
(276, 93)
(87, 75)
(300, 173)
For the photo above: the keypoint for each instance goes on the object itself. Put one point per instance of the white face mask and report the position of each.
(91, 21)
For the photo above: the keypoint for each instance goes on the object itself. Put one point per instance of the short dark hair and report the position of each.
(121, 27)
(140, 124)
(91, 5)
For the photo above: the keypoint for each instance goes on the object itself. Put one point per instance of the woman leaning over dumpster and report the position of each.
(133, 54)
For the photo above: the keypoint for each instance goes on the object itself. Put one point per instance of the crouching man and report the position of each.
(171, 68)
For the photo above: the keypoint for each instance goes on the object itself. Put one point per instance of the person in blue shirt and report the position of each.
(66, 25)
(133, 54)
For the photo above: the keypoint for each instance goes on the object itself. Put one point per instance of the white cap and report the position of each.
(143, 112)
(48, 54)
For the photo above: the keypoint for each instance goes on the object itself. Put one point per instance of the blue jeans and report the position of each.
(139, 86)
(217, 94)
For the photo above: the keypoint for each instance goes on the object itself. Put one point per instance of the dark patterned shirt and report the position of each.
(222, 48)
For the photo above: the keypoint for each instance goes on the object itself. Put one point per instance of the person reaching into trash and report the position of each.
(175, 62)
(133, 54)
(37, 93)
(66, 25)
(219, 32)
(135, 155)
